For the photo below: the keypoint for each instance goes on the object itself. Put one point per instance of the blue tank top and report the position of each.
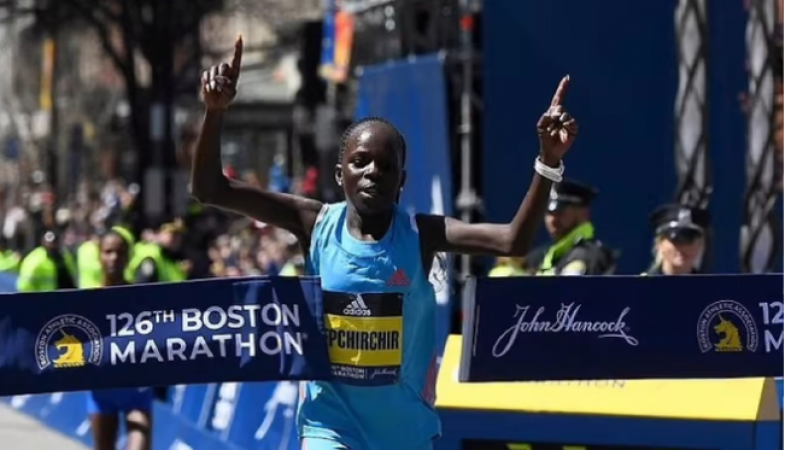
(380, 315)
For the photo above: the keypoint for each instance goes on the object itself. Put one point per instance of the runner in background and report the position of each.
(373, 259)
(107, 407)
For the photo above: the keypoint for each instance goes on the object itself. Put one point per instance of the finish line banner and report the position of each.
(241, 329)
(599, 328)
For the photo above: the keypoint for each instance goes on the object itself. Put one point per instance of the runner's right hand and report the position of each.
(219, 83)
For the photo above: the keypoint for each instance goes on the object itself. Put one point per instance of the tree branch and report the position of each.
(102, 30)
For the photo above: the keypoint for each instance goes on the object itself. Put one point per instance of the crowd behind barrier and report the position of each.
(648, 414)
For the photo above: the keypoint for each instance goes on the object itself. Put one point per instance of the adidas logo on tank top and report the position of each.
(357, 308)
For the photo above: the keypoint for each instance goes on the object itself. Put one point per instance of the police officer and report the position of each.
(575, 249)
(47, 267)
(158, 262)
(678, 244)
(88, 264)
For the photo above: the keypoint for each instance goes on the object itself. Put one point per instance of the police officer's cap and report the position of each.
(679, 222)
(571, 193)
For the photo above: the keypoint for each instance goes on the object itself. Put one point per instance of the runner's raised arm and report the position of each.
(556, 130)
(208, 183)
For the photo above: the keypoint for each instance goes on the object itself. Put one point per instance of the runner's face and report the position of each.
(114, 254)
(371, 170)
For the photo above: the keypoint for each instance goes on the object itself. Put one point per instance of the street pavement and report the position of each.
(20, 432)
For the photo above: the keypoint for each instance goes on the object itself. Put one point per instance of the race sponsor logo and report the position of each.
(68, 341)
(567, 319)
(726, 326)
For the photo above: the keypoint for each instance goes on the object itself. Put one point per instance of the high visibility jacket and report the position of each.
(88, 265)
(168, 271)
(506, 270)
(9, 261)
(38, 272)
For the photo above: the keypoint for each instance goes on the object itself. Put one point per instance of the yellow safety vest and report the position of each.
(289, 270)
(9, 261)
(38, 272)
(88, 265)
(506, 271)
(565, 244)
(168, 271)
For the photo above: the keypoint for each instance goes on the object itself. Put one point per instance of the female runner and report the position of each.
(135, 404)
(373, 259)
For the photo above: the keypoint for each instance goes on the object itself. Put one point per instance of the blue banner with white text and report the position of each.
(582, 328)
(228, 330)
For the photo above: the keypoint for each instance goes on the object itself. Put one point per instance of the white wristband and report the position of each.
(552, 173)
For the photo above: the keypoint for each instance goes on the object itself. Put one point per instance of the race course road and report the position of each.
(19, 432)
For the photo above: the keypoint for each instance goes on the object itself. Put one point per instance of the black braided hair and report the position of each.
(362, 123)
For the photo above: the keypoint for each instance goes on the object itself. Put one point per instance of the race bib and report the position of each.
(364, 337)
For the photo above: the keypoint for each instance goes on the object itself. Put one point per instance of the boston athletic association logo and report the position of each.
(727, 326)
(68, 341)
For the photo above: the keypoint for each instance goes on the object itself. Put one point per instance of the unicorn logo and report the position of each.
(730, 341)
(727, 326)
(71, 351)
(68, 341)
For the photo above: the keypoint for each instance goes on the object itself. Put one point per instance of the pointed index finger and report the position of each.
(561, 91)
(238, 55)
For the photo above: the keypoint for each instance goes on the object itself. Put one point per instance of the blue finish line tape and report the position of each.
(259, 329)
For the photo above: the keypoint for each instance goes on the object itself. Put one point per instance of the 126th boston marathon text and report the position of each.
(237, 331)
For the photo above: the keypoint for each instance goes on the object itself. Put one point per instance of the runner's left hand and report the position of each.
(556, 128)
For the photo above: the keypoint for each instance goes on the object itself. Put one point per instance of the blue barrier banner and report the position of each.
(258, 416)
(276, 428)
(190, 402)
(7, 282)
(253, 329)
(173, 433)
(583, 328)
